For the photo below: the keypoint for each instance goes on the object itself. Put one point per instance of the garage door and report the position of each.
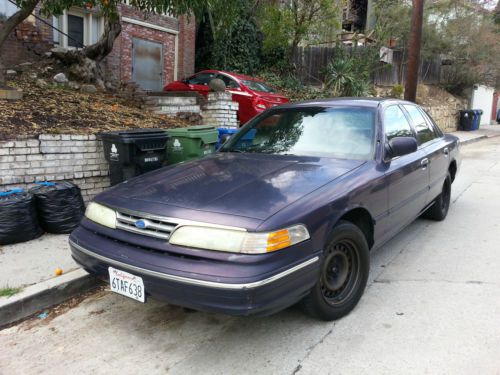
(147, 64)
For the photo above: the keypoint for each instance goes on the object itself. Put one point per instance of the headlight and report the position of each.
(101, 215)
(238, 241)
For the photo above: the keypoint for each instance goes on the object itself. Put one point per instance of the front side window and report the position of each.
(424, 131)
(201, 79)
(432, 124)
(230, 83)
(396, 124)
(338, 132)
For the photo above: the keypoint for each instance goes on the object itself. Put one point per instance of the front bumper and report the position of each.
(260, 295)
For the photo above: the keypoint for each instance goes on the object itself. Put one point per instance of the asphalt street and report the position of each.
(432, 306)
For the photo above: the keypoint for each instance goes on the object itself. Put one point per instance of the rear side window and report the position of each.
(396, 124)
(424, 132)
(201, 79)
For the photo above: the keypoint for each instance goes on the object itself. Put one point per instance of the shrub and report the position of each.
(349, 72)
(397, 91)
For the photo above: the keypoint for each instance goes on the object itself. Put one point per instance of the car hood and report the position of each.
(251, 185)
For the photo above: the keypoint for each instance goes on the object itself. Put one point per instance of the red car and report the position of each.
(252, 94)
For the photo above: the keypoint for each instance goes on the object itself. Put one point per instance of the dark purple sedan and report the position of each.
(287, 211)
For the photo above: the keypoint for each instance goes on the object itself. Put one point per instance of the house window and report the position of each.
(7, 9)
(82, 28)
(75, 31)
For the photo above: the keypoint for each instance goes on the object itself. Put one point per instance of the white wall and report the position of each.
(482, 98)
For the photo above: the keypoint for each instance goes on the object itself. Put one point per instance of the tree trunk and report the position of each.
(84, 63)
(414, 46)
(9, 25)
(104, 45)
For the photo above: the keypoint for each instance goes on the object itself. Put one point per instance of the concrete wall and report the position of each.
(76, 158)
(482, 98)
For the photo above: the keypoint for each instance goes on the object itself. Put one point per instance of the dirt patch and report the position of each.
(60, 110)
(57, 310)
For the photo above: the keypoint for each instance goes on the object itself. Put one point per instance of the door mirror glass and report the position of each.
(399, 146)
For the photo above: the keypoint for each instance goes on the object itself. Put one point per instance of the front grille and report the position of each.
(154, 227)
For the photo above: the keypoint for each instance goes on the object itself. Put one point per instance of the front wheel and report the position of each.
(343, 275)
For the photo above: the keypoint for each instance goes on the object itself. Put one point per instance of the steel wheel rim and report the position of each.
(340, 271)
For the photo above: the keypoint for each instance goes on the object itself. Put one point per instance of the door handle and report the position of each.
(424, 163)
(446, 151)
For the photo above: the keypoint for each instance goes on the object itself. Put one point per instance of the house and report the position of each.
(151, 50)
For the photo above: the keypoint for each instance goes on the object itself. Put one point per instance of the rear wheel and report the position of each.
(439, 209)
(343, 275)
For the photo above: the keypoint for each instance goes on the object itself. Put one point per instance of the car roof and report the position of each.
(234, 75)
(370, 102)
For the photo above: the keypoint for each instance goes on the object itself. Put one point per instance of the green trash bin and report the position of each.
(191, 143)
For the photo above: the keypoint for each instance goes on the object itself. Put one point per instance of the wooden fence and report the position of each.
(311, 64)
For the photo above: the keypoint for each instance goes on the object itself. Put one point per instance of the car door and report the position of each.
(431, 143)
(243, 98)
(407, 176)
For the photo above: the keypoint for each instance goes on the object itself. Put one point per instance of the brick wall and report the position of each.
(29, 39)
(187, 40)
(32, 38)
(76, 158)
(118, 64)
(219, 110)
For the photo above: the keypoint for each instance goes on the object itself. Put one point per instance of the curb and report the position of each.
(472, 140)
(45, 294)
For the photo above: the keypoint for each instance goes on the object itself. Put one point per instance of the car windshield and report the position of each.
(339, 132)
(258, 86)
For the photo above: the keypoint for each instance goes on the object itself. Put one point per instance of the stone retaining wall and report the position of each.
(76, 158)
(219, 110)
(446, 116)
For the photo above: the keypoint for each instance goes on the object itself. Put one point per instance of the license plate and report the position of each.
(126, 284)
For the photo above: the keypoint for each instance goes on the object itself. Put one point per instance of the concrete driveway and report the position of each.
(432, 306)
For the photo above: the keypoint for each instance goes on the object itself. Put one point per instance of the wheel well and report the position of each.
(363, 220)
(453, 170)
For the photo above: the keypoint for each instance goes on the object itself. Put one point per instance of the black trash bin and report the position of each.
(466, 120)
(131, 153)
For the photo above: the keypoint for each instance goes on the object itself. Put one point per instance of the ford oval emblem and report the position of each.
(141, 224)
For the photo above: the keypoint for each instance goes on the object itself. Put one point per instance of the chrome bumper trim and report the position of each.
(197, 282)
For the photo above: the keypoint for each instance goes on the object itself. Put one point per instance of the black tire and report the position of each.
(441, 205)
(343, 275)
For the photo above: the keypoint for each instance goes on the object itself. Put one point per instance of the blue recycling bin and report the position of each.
(243, 142)
(223, 132)
(477, 119)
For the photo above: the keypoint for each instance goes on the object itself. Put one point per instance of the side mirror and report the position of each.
(224, 138)
(399, 146)
(185, 81)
